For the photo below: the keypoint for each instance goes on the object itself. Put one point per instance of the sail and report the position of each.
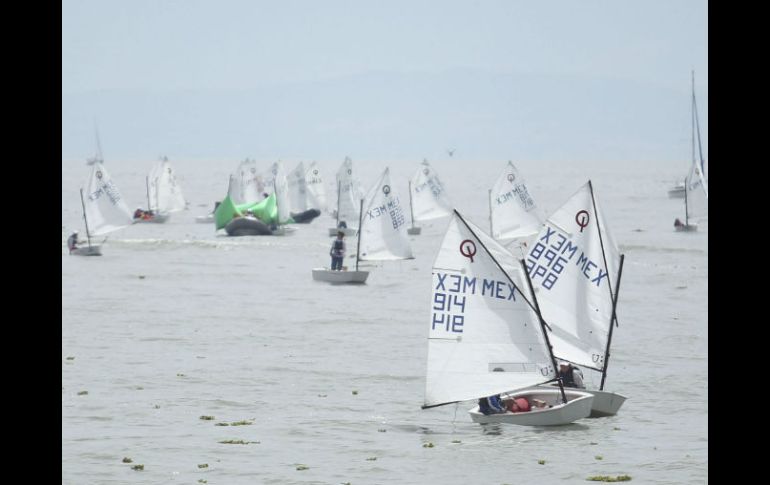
(315, 188)
(696, 194)
(225, 213)
(165, 190)
(513, 212)
(429, 199)
(348, 195)
(298, 193)
(279, 184)
(105, 209)
(573, 284)
(484, 337)
(383, 235)
(246, 184)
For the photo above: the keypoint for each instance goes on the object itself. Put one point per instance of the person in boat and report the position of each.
(138, 213)
(571, 376)
(342, 225)
(491, 405)
(72, 241)
(518, 405)
(337, 251)
(678, 223)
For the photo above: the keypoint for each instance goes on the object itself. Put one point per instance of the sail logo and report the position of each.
(511, 177)
(518, 192)
(386, 189)
(425, 171)
(549, 257)
(582, 219)
(468, 249)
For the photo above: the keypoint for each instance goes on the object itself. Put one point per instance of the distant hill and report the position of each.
(394, 115)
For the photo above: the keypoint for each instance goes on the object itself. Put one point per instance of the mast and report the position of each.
(491, 233)
(545, 334)
(339, 192)
(147, 184)
(614, 297)
(360, 218)
(85, 219)
(609, 337)
(411, 210)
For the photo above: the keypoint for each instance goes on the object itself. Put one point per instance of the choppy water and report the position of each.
(175, 322)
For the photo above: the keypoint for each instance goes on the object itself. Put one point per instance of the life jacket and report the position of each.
(338, 247)
(522, 404)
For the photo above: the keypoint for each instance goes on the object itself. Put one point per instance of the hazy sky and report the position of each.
(580, 79)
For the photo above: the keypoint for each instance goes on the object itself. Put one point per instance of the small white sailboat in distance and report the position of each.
(164, 194)
(486, 337)
(695, 184)
(347, 200)
(381, 236)
(427, 197)
(514, 218)
(575, 267)
(104, 209)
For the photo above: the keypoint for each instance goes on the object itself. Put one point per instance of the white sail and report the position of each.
(484, 337)
(383, 232)
(574, 278)
(280, 184)
(348, 195)
(513, 212)
(246, 184)
(428, 197)
(298, 193)
(696, 194)
(105, 209)
(695, 184)
(315, 188)
(165, 191)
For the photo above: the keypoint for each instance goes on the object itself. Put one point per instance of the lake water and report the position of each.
(175, 322)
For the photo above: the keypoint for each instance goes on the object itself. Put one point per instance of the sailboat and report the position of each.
(575, 266)
(381, 236)
(246, 186)
(514, 218)
(427, 197)
(302, 210)
(486, 336)
(104, 209)
(164, 193)
(347, 200)
(316, 191)
(695, 184)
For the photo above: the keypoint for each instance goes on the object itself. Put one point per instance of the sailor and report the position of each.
(72, 241)
(337, 252)
(571, 376)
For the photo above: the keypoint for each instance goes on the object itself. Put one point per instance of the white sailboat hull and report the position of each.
(578, 406)
(93, 250)
(604, 403)
(349, 231)
(686, 228)
(413, 231)
(329, 276)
